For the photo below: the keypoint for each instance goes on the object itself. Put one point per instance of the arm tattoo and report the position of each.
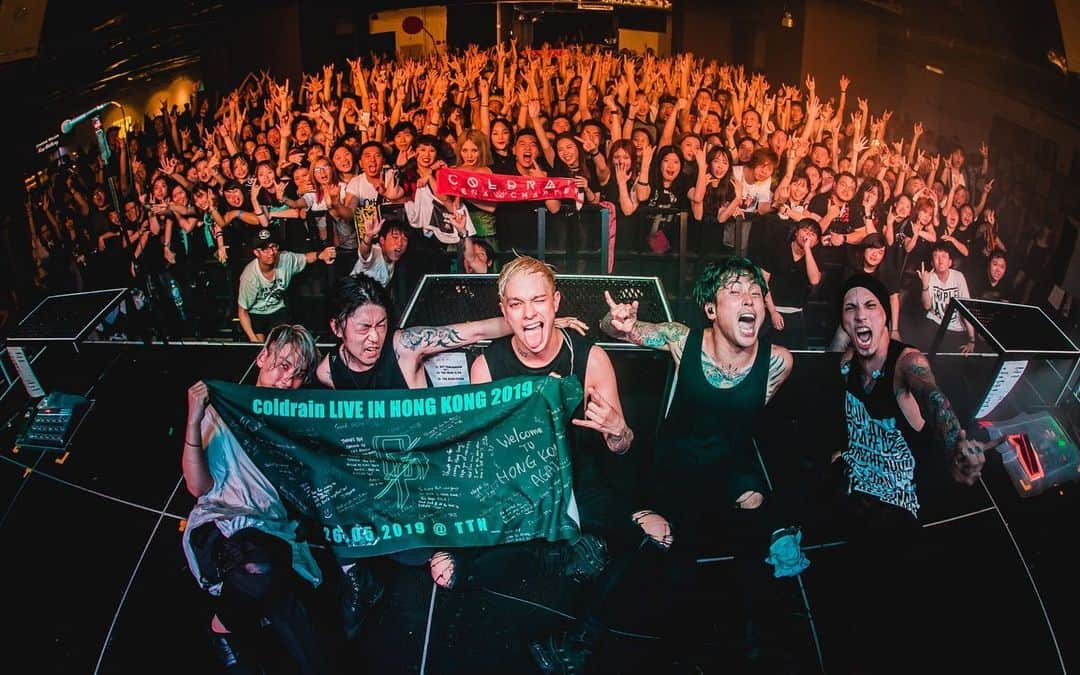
(936, 407)
(778, 369)
(722, 377)
(425, 338)
(657, 335)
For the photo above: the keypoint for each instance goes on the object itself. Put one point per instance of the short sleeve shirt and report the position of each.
(259, 295)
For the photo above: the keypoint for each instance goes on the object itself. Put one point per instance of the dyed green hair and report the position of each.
(717, 275)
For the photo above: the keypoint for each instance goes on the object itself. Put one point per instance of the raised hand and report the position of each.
(844, 83)
(924, 275)
(623, 316)
(600, 415)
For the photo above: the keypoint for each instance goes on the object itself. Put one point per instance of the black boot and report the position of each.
(226, 653)
(362, 591)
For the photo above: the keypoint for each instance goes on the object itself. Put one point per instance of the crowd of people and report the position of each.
(318, 202)
(224, 209)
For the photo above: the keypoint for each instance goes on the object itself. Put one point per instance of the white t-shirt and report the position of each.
(240, 497)
(260, 295)
(375, 266)
(941, 292)
(754, 194)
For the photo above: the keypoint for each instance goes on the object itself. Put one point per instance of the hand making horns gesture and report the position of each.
(623, 316)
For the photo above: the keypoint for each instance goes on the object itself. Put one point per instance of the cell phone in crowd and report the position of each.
(365, 119)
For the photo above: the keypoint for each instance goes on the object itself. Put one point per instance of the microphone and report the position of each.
(67, 125)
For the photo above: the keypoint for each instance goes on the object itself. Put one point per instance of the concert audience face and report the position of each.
(371, 162)
(179, 196)
(745, 150)
(845, 187)
(394, 241)
(813, 174)
(967, 216)
(525, 149)
(567, 150)
(689, 145)
(720, 164)
(902, 207)
(500, 136)
(342, 158)
(942, 261)
(996, 267)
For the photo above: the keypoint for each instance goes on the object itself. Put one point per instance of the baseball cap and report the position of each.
(262, 238)
(874, 240)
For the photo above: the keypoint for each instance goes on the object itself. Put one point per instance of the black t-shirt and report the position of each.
(511, 216)
(842, 224)
(788, 283)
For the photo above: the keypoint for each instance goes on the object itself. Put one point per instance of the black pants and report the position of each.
(255, 570)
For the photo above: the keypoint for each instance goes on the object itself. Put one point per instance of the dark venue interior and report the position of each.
(127, 279)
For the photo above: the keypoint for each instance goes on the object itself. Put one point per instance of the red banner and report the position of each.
(493, 187)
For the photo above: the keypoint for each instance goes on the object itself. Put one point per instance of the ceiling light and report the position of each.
(787, 21)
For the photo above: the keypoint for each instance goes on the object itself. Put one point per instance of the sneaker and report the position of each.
(582, 560)
(565, 654)
(362, 592)
(223, 645)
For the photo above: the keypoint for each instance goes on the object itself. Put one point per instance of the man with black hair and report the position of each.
(940, 285)
(381, 248)
(894, 412)
(515, 222)
(707, 474)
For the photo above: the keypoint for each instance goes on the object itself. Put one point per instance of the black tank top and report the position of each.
(706, 442)
(385, 374)
(880, 437)
(571, 361)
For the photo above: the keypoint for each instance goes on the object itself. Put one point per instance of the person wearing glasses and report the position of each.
(261, 298)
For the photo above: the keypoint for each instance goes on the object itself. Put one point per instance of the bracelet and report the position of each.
(194, 445)
(640, 183)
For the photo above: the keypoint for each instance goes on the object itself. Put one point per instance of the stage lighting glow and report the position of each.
(935, 70)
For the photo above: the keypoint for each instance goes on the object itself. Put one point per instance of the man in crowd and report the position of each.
(261, 298)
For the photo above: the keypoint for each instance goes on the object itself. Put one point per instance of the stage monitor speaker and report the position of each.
(443, 299)
(20, 29)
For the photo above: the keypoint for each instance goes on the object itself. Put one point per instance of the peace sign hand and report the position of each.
(623, 316)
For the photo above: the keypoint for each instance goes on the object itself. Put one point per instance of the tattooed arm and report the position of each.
(621, 322)
(780, 363)
(915, 376)
(967, 459)
(413, 345)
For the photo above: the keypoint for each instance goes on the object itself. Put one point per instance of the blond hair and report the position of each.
(480, 140)
(523, 265)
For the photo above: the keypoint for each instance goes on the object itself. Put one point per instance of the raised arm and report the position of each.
(913, 375)
(621, 322)
(197, 476)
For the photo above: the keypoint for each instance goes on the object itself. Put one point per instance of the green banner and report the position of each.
(387, 471)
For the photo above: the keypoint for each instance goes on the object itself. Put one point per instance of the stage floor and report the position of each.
(96, 580)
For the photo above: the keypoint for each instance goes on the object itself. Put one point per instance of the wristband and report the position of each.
(640, 183)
